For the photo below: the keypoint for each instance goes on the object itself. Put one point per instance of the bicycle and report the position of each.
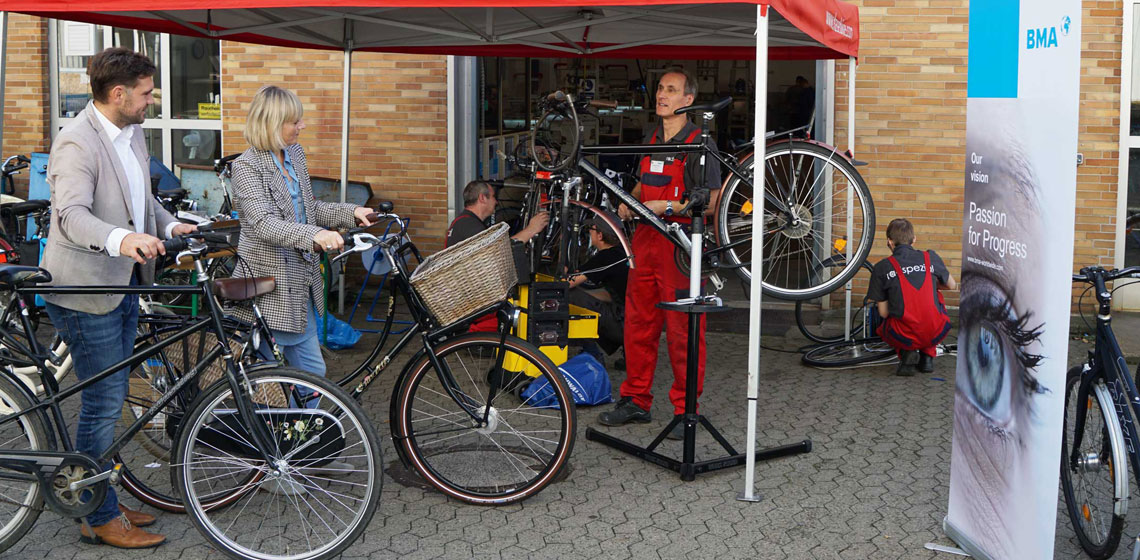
(816, 205)
(267, 428)
(1101, 402)
(824, 333)
(457, 414)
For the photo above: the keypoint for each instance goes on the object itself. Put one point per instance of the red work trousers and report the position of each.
(655, 279)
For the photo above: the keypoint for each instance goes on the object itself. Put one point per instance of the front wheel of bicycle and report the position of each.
(823, 331)
(518, 449)
(1094, 479)
(20, 498)
(816, 205)
(848, 353)
(320, 488)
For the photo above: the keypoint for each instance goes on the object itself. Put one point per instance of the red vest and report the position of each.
(924, 322)
(667, 182)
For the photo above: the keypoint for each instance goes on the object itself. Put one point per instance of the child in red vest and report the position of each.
(905, 287)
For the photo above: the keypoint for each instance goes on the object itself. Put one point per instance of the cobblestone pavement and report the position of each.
(874, 486)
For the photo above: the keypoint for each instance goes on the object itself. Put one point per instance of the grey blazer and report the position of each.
(90, 197)
(273, 243)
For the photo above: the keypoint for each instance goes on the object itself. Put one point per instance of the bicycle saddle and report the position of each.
(241, 289)
(171, 193)
(26, 207)
(714, 107)
(14, 276)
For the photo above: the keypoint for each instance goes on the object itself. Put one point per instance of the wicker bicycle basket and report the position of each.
(467, 276)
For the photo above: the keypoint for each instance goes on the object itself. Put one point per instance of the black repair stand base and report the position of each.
(688, 466)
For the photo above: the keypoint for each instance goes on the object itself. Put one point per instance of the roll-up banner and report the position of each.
(1017, 251)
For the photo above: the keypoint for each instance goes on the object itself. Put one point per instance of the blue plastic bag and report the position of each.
(587, 380)
(341, 334)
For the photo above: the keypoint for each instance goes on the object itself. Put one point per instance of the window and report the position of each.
(184, 125)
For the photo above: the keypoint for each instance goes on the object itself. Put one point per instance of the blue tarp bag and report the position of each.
(587, 380)
(341, 334)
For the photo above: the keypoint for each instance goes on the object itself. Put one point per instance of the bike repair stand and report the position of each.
(695, 305)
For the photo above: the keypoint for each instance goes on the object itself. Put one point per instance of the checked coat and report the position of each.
(273, 243)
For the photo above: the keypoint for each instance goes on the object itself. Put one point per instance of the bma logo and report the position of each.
(838, 26)
(1046, 37)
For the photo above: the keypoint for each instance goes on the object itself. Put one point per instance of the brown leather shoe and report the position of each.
(137, 518)
(119, 533)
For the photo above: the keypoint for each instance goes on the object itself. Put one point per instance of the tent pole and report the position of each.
(850, 193)
(344, 153)
(761, 125)
(3, 72)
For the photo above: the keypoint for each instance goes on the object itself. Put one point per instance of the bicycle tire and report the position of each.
(26, 433)
(1098, 525)
(848, 353)
(284, 521)
(787, 259)
(816, 333)
(146, 458)
(533, 443)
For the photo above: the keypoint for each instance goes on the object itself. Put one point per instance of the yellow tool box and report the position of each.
(549, 321)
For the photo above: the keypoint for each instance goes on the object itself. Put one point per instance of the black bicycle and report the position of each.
(460, 412)
(815, 204)
(1101, 402)
(294, 456)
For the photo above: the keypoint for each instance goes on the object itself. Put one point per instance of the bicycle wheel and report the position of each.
(825, 332)
(20, 500)
(146, 457)
(1095, 482)
(321, 489)
(517, 452)
(809, 225)
(848, 353)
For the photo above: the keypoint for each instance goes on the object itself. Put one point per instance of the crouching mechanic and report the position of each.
(913, 312)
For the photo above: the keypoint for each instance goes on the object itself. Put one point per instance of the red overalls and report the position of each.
(656, 278)
(490, 321)
(924, 322)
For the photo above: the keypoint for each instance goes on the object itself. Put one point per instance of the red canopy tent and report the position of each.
(670, 29)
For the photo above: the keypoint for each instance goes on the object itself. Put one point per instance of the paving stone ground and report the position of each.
(874, 486)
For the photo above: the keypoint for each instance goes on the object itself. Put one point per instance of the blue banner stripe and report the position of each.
(992, 66)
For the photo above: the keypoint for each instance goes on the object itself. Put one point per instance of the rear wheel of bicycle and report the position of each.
(848, 353)
(20, 500)
(517, 452)
(808, 226)
(825, 332)
(318, 493)
(146, 457)
(1096, 480)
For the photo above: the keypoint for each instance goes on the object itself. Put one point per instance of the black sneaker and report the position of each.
(925, 363)
(624, 413)
(906, 368)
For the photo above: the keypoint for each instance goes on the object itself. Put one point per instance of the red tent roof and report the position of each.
(675, 29)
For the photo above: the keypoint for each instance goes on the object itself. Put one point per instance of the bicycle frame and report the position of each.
(262, 439)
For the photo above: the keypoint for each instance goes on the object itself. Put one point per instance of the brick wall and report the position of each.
(398, 124)
(910, 122)
(26, 117)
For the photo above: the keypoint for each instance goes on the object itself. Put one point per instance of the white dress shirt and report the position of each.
(136, 180)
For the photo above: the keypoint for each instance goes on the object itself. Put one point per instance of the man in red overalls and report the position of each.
(906, 288)
(664, 182)
(479, 202)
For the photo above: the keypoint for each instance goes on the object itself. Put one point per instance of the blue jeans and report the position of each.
(301, 350)
(97, 342)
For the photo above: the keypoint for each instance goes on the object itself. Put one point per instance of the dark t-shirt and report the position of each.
(465, 226)
(612, 278)
(885, 283)
(693, 160)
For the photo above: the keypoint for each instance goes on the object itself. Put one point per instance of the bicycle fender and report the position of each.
(48, 425)
(393, 421)
(616, 226)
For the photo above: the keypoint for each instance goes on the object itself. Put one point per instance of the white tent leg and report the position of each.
(850, 193)
(3, 70)
(344, 155)
(761, 87)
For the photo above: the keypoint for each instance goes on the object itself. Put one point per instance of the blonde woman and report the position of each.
(283, 228)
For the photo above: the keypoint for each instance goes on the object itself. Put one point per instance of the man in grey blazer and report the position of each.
(104, 228)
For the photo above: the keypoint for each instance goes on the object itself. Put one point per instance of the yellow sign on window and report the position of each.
(210, 111)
